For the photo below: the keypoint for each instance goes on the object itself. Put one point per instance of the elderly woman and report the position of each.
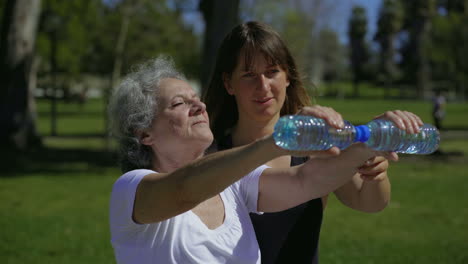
(175, 205)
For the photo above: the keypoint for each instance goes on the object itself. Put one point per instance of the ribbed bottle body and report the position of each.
(385, 136)
(304, 133)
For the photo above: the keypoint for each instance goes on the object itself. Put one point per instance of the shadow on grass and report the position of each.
(73, 113)
(97, 135)
(55, 161)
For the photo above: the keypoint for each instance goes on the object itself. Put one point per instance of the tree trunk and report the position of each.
(220, 17)
(388, 66)
(17, 74)
(355, 88)
(118, 61)
(421, 60)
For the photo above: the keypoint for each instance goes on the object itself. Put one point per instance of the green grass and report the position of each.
(73, 120)
(54, 202)
(56, 217)
(360, 111)
(424, 223)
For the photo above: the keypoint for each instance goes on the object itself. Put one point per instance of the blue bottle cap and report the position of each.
(362, 133)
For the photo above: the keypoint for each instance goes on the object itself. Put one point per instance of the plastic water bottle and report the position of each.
(302, 133)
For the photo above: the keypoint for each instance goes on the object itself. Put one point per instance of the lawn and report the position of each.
(54, 202)
(424, 223)
(360, 111)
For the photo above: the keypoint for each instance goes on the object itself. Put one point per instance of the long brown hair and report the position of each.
(250, 37)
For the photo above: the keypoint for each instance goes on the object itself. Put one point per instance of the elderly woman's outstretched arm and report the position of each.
(161, 196)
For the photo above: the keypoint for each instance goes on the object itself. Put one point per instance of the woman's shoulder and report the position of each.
(130, 179)
(133, 175)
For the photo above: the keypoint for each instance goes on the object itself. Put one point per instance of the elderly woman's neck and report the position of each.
(166, 162)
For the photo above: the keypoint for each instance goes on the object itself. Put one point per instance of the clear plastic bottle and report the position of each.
(295, 132)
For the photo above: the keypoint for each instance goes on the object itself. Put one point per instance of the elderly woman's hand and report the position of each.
(332, 117)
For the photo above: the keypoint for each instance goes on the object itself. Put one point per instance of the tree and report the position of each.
(298, 32)
(418, 15)
(296, 28)
(304, 25)
(448, 53)
(154, 28)
(62, 43)
(359, 53)
(334, 60)
(458, 6)
(220, 17)
(17, 73)
(70, 24)
(389, 24)
(146, 28)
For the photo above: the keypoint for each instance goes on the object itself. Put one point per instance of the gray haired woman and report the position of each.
(173, 204)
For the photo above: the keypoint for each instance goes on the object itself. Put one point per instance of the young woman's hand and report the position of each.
(403, 120)
(374, 169)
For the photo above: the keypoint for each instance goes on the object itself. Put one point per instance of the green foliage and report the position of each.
(460, 6)
(359, 52)
(332, 54)
(358, 23)
(87, 33)
(297, 31)
(389, 24)
(417, 9)
(68, 23)
(415, 51)
(168, 35)
(295, 27)
(390, 18)
(271, 12)
(302, 25)
(448, 52)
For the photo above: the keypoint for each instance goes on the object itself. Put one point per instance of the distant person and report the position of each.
(438, 108)
(173, 204)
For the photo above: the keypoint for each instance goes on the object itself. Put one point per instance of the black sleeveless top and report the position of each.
(290, 236)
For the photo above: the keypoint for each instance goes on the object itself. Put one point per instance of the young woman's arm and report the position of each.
(369, 190)
(280, 189)
(319, 177)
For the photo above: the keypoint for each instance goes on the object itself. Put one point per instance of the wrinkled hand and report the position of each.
(374, 169)
(328, 114)
(332, 118)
